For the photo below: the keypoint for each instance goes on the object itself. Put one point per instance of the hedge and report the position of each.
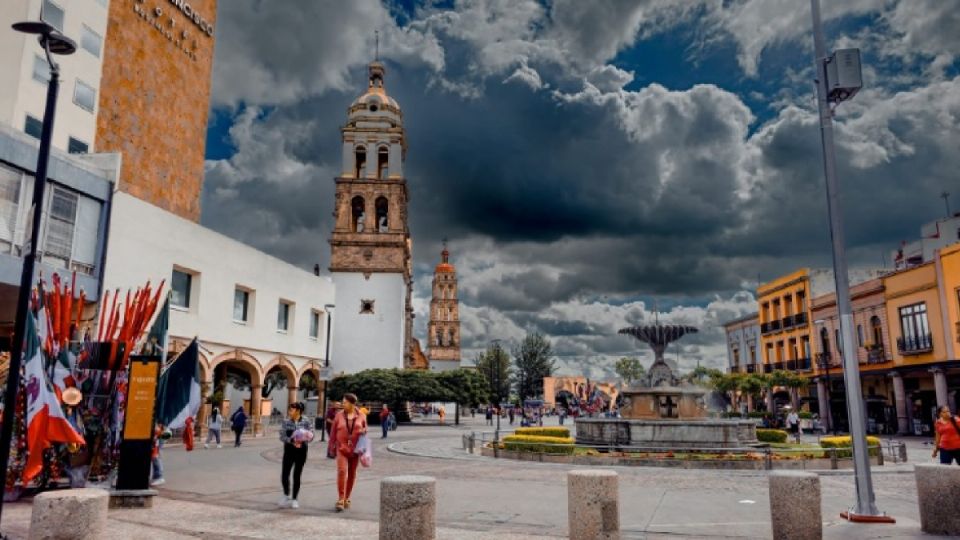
(756, 414)
(772, 435)
(873, 443)
(539, 444)
(544, 431)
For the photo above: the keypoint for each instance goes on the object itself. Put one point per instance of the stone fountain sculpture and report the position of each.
(661, 394)
(662, 411)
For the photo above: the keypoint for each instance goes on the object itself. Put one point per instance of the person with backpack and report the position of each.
(946, 441)
(238, 422)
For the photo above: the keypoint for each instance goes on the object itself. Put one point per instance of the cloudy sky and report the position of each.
(590, 160)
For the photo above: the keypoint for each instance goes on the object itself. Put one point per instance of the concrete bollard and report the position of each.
(71, 514)
(937, 494)
(593, 507)
(795, 505)
(408, 508)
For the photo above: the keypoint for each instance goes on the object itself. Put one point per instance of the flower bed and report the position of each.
(544, 431)
(845, 444)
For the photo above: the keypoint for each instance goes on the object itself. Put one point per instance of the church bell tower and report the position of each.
(444, 325)
(370, 246)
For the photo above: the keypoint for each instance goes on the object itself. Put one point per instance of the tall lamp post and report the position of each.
(838, 79)
(53, 42)
(326, 363)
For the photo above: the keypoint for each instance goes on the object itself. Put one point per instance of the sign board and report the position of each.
(141, 398)
(326, 373)
(133, 471)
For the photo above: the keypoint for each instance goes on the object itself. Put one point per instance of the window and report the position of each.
(283, 316)
(53, 14)
(859, 335)
(241, 304)
(361, 163)
(838, 341)
(314, 324)
(41, 70)
(90, 41)
(76, 146)
(33, 127)
(84, 95)
(180, 285)
(10, 182)
(366, 307)
(383, 220)
(913, 323)
(358, 213)
(383, 160)
(877, 328)
(63, 215)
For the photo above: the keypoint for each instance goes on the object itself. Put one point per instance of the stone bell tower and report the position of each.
(370, 247)
(444, 326)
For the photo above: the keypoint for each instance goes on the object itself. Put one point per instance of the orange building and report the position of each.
(155, 96)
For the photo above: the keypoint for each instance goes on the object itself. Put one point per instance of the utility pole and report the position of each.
(838, 79)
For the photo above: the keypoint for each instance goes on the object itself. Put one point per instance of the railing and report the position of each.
(803, 364)
(787, 322)
(799, 319)
(876, 356)
(764, 328)
(774, 326)
(825, 360)
(915, 345)
(751, 368)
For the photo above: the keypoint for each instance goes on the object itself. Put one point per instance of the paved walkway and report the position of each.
(231, 493)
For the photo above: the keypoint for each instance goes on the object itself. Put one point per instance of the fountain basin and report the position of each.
(706, 433)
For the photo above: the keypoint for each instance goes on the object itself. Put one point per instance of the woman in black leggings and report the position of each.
(294, 453)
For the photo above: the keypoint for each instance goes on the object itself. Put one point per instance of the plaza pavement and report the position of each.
(232, 493)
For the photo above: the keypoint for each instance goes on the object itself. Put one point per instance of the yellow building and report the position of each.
(920, 324)
(785, 322)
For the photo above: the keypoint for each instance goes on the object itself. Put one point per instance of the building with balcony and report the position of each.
(743, 342)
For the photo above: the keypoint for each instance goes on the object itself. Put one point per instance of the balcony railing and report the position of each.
(802, 364)
(915, 345)
(751, 368)
(800, 319)
(764, 328)
(787, 322)
(876, 356)
(826, 360)
(774, 326)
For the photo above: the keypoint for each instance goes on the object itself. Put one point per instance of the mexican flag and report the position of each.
(45, 420)
(178, 395)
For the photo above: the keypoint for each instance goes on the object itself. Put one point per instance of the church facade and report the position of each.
(370, 246)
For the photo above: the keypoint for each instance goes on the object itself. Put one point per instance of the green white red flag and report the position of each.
(45, 420)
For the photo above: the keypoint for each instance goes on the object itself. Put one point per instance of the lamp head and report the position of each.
(48, 36)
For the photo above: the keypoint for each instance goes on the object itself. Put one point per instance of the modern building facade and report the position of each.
(444, 327)
(933, 236)
(73, 229)
(23, 88)
(370, 246)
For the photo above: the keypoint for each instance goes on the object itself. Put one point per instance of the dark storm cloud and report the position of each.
(565, 197)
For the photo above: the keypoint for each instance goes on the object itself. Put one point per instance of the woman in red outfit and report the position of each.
(947, 439)
(348, 426)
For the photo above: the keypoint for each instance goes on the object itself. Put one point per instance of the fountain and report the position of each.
(661, 410)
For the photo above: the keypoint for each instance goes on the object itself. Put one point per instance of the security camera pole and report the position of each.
(838, 79)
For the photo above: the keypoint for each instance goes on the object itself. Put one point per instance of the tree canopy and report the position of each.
(532, 363)
(494, 365)
(392, 386)
(629, 369)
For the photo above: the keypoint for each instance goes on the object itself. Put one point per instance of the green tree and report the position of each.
(532, 361)
(629, 369)
(752, 385)
(702, 374)
(494, 365)
(725, 383)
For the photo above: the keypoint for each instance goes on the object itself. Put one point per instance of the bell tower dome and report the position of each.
(370, 246)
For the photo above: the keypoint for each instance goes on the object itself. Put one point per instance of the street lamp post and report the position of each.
(326, 361)
(53, 42)
(843, 83)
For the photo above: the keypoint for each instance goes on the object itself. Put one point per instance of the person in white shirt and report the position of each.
(214, 424)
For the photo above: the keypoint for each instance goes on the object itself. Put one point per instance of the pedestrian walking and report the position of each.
(330, 416)
(348, 426)
(793, 423)
(946, 441)
(489, 415)
(512, 415)
(156, 464)
(238, 422)
(188, 434)
(384, 420)
(442, 413)
(295, 432)
(214, 423)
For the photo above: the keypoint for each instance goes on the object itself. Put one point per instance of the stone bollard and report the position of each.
(593, 507)
(795, 505)
(408, 508)
(71, 514)
(937, 489)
